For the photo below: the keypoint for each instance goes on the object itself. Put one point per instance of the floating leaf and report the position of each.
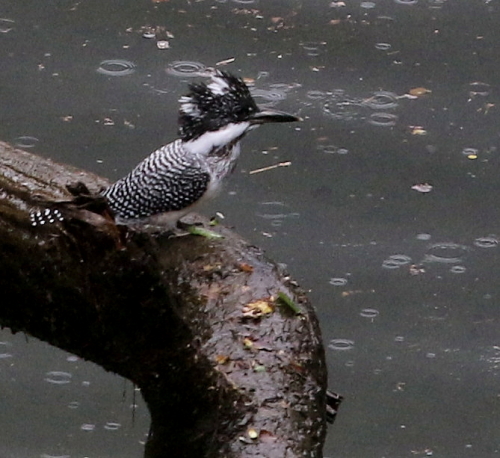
(418, 91)
(418, 130)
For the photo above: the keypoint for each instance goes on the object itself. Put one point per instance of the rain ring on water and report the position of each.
(58, 377)
(273, 95)
(446, 253)
(116, 67)
(382, 100)
(396, 261)
(406, 2)
(316, 95)
(369, 313)
(479, 88)
(341, 344)
(186, 68)
(6, 25)
(112, 426)
(338, 281)
(25, 141)
(383, 46)
(6, 354)
(383, 119)
(486, 242)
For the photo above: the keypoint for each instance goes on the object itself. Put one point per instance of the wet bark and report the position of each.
(226, 368)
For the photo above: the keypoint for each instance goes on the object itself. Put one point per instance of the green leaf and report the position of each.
(285, 300)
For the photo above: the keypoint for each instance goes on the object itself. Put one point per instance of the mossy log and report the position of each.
(226, 368)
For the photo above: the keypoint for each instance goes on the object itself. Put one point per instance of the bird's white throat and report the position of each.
(211, 140)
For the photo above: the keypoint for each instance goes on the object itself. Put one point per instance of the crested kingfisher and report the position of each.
(176, 178)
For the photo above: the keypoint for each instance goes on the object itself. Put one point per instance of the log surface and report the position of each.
(226, 369)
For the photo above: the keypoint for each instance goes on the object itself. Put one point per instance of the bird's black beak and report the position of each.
(265, 116)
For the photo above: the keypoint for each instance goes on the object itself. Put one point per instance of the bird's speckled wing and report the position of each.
(166, 181)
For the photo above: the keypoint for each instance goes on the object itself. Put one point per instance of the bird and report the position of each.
(176, 178)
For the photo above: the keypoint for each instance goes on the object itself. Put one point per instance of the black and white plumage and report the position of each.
(177, 177)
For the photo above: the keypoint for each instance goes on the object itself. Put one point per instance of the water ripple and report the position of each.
(486, 242)
(186, 68)
(116, 67)
(446, 253)
(341, 344)
(58, 377)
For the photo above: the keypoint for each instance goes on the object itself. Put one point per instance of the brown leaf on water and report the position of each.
(419, 91)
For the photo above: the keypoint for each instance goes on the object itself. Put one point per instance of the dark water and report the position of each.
(405, 282)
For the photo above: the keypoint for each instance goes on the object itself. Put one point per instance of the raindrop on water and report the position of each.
(478, 88)
(116, 67)
(316, 95)
(58, 377)
(338, 281)
(458, 269)
(313, 48)
(367, 5)
(383, 46)
(45, 455)
(423, 236)
(369, 313)
(276, 212)
(25, 141)
(6, 25)
(470, 151)
(272, 95)
(486, 242)
(87, 427)
(341, 344)
(332, 149)
(112, 426)
(446, 252)
(74, 405)
(396, 261)
(406, 2)
(186, 68)
(6, 354)
(383, 119)
(382, 100)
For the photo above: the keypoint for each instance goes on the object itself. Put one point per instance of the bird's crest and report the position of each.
(208, 107)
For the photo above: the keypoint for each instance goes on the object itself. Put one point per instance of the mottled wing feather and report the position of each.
(163, 182)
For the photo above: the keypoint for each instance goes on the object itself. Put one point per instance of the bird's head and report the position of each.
(226, 101)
